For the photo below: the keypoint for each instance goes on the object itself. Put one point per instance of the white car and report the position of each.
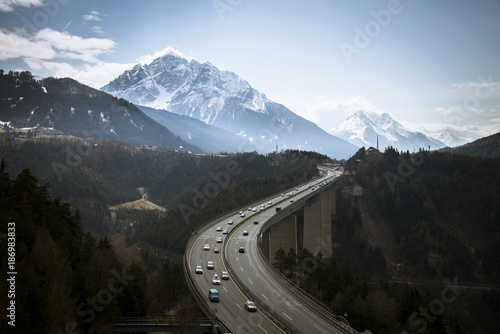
(219, 240)
(230, 222)
(224, 232)
(216, 249)
(219, 229)
(198, 270)
(206, 247)
(210, 265)
(269, 203)
(216, 279)
(245, 232)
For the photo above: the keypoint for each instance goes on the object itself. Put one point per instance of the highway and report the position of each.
(250, 277)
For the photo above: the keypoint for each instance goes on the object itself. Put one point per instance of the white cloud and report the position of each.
(147, 59)
(94, 75)
(98, 30)
(329, 111)
(14, 45)
(50, 44)
(9, 5)
(93, 16)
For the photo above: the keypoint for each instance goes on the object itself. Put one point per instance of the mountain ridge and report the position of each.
(364, 128)
(68, 107)
(223, 99)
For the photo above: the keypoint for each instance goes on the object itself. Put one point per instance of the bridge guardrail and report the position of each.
(201, 298)
(312, 303)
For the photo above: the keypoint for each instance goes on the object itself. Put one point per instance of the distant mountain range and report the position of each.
(65, 106)
(366, 128)
(224, 100)
(487, 147)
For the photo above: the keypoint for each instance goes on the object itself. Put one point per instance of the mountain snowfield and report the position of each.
(364, 129)
(226, 101)
(454, 135)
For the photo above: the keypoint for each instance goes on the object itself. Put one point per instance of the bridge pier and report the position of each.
(282, 234)
(318, 224)
(312, 224)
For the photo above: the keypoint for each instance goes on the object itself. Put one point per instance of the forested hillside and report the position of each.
(487, 147)
(62, 263)
(418, 252)
(64, 106)
(441, 204)
(65, 279)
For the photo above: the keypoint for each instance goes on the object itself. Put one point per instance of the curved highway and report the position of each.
(250, 278)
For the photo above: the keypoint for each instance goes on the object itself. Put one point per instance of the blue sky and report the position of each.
(423, 62)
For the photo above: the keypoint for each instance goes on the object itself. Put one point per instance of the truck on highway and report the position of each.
(213, 295)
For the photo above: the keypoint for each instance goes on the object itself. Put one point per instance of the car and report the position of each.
(245, 232)
(213, 295)
(206, 247)
(219, 240)
(256, 222)
(296, 189)
(224, 275)
(230, 222)
(254, 210)
(216, 279)
(242, 249)
(198, 270)
(224, 232)
(242, 215)
(249, 209)
(216, 249)
(210, 265)
(250, 306)
(282, 195)
(269, 203)
(219, 229)
(291, 200)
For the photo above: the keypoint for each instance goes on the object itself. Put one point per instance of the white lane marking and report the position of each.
(236, 258)
(264, 296)
(257, 275)
(241, 268)
(224, 288)
(287, 316)
(263, 329)
(289, 305)
(250, 281)
(319, 328)
(239, 306)
(270, 288)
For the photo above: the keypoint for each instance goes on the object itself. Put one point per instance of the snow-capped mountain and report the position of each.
(224, 100)
(363, 128)
(453, 135)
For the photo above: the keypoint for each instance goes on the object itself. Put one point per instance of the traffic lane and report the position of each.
(252, 276)
(231, 305)
(232, 301)
(270, 295)
(212, 236)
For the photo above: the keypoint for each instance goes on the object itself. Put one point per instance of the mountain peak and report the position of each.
(364, 128)
(225, 100)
